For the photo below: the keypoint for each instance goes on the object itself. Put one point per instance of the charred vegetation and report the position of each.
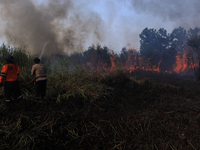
(102, 107)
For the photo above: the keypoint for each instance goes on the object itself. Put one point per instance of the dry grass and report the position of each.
(91, 110)
(113, 112)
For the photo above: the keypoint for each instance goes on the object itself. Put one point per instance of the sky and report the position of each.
(68, 26)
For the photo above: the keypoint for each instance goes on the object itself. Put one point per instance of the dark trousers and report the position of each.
(12, 89)
(41, 88)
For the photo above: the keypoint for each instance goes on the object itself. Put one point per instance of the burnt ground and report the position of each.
(153, 111)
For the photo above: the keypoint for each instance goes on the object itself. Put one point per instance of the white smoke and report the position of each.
(72, 26)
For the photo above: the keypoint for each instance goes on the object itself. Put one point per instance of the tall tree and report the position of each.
(153, 43)
(194, 42)
(192, 32)
(178, 39)
(162, 40)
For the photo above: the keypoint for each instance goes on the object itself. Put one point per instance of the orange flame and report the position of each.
(113, 66)
(184, 64)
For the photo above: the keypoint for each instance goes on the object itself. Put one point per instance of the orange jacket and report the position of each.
(9, 72)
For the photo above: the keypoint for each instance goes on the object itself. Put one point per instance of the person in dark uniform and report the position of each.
(9, 78)
(40, 77)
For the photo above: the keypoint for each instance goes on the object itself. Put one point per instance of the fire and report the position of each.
(184, 63)
(134, 63)
(113, 66)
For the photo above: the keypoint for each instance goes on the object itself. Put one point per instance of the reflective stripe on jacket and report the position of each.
(9, 72)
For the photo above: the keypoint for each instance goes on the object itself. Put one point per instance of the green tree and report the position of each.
(178, 39)
(192, 32)
(97, 56)
(194, 42)
(153, 43)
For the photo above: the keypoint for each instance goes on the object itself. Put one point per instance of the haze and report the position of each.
(66, 26)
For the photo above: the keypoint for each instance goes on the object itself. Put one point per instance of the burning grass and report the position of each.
(105, 111)
(111, 110)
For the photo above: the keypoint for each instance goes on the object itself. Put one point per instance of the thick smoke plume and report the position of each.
(67, 26)
(55, 27)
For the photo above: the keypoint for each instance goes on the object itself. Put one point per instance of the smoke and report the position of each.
(56, 27)
(69, 26)
(184, 13)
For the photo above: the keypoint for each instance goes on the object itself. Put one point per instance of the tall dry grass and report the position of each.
(92, 110)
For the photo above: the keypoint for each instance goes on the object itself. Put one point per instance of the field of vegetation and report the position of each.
(93, 110)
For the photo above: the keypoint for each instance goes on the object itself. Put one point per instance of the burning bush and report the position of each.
(103, 110)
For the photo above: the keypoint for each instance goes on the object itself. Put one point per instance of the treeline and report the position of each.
(154, 43)
(157, 47)
(99, 111)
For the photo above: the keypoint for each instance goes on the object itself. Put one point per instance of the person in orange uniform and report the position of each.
(9, 78)
(40, 77)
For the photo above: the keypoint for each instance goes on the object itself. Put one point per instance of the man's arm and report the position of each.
(3, 74)
(33, 71)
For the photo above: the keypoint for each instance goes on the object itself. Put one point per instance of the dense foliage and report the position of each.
(153, 42)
